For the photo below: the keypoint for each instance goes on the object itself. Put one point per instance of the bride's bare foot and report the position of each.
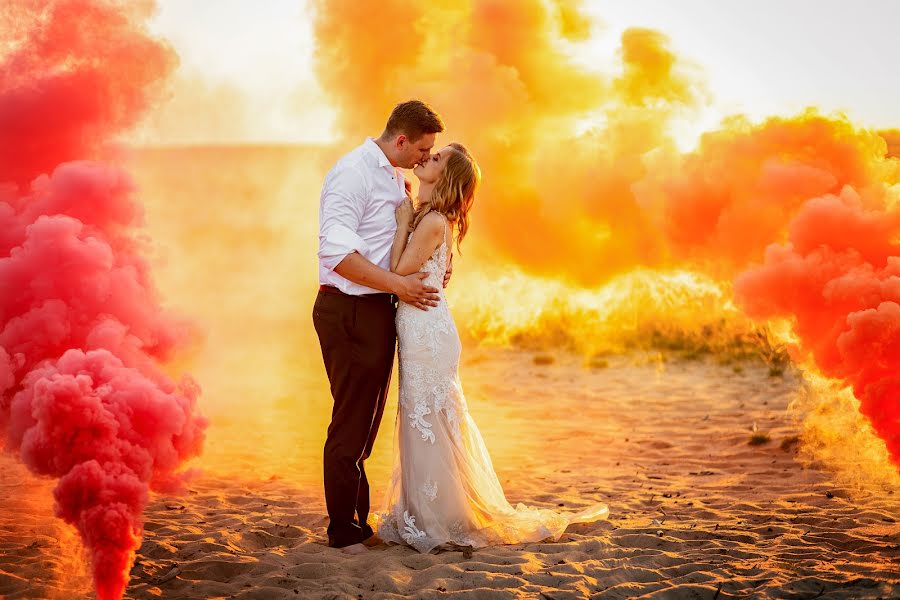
(354, 549)
(373, 540)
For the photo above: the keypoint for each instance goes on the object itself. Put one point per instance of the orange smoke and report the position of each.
(501, 77)
(583, 180)
(892, 137)
(738, 192)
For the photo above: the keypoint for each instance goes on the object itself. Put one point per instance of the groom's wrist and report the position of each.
(395, 284)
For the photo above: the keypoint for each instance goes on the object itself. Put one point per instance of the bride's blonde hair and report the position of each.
(454, 192)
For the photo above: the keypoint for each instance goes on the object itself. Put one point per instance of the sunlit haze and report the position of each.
(246, 67)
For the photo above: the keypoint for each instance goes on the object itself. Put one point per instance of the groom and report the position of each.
(354, 311)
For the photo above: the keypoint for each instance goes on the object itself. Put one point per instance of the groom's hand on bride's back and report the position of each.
(413, 291)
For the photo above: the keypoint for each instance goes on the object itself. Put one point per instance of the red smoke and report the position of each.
(739, 191)
(83, 338)
(839, 277)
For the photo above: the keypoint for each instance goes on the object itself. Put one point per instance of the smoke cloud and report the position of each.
(84, 395)
(583, 180)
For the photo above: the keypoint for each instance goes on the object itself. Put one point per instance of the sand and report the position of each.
(696, 511)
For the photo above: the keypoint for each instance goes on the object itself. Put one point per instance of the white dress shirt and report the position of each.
(357, 213)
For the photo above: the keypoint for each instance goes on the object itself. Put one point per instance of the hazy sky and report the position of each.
(258, 51)
(761, 57)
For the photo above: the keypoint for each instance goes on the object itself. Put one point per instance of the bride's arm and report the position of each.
(404, 214)
(409, 258)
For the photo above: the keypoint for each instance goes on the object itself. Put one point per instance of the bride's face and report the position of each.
(430, 170)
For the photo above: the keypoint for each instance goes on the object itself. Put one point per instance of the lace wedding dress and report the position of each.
(443, 488)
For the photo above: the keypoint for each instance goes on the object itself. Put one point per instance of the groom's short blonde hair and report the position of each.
(413, 119)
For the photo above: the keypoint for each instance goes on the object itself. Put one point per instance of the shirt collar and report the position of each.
(377, 152)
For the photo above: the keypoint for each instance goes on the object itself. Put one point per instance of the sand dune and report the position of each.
(696, 511)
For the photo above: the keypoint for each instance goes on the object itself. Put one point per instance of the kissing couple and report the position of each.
(384, 261)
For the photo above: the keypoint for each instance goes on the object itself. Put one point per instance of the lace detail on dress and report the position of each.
(412, 533)
(425, 391)
(429, 490)
(459, 536)
(417, 421)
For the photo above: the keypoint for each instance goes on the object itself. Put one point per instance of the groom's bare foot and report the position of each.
(354, 549)
(373, 540)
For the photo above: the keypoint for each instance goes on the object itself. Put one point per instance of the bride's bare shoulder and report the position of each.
(431, 225)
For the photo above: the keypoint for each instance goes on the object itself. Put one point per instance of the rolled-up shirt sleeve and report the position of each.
(342, 206)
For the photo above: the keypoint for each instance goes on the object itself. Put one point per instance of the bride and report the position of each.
(443, 490)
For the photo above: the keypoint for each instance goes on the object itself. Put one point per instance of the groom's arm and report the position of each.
(341, 249)
(409, 288)
(340, 213)
(362, 271)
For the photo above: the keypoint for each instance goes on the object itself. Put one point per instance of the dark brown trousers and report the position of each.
(358, 339)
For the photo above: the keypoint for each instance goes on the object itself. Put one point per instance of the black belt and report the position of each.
(382, 296)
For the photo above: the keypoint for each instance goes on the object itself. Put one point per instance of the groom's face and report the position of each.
(414, 153)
